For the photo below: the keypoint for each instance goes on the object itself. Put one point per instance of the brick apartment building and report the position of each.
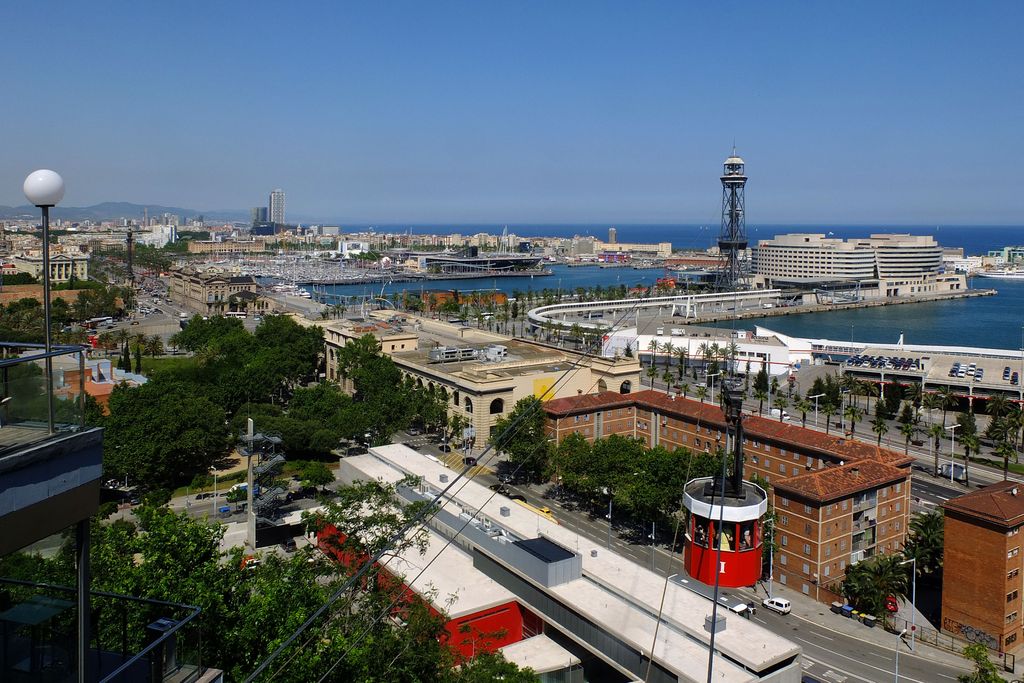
(982, 582)
(837, 500)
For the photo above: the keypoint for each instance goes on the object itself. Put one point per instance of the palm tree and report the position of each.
(652, 372)
(869, 390)
(154, 345)
(828, 409)
(804, 406)
(971, 443)
(936, 432)
(669, 350)
(653, 348)
(870, 582)
(879, 426)
(762, 396)
(930, 402)
(701, 392)
(925, 541)
(946, 400)
(914, 393)
(685, 388)
(1004, 450)
(705, 353)
(853, 414)
(907, 429)
(997, 406)
(780, 403)
(666, 377)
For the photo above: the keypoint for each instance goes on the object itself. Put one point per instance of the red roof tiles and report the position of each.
(832, 483)
(1001, 503)
(862, 465)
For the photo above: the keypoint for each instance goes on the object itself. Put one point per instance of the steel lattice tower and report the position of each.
(732, 241)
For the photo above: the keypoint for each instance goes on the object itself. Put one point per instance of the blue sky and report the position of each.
(513, 112)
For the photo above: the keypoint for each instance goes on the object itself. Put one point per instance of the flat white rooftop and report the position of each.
(540, 653)
(622, 596)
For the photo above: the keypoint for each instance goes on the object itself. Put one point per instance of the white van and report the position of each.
(776, 413)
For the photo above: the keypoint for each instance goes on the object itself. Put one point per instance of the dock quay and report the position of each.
(819, 308)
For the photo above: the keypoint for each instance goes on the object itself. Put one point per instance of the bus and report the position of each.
(234, 314)
(543, 511)
(94, 323)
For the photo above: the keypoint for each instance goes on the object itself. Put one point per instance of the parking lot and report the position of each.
(961, 372)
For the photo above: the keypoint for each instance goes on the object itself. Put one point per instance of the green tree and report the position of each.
(761, 395)
(925, 542)
(985, 670)
(780, 403)
(522, 437)
(853, 414)
(880, 427)
(869, 582)
(317, 474)
(908, 430)
(162, 433)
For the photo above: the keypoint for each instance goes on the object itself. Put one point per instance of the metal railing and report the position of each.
(952, 643)
(131, 639)
(41, 393)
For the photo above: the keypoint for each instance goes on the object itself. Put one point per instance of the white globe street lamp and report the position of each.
(45, 189)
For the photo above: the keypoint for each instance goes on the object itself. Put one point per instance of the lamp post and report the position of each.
(45, 189)
(952, 449)
(842, 408)
(899, 637)
(913, 598)
(712, 377)
(816, 397)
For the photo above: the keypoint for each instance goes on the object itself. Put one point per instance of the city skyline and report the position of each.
(528, 114)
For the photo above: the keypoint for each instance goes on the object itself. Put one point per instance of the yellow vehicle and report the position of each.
(543, 510)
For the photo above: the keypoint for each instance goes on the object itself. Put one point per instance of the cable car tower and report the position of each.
(732, 241)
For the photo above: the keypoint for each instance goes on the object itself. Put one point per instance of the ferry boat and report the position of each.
(1002, 274)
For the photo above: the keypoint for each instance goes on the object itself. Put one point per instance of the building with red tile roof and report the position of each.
(981, 574)
(838, 500)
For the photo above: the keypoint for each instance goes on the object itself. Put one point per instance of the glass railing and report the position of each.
(132, 639)
(34, 408)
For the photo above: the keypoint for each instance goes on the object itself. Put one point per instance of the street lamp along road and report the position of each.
(45, 188)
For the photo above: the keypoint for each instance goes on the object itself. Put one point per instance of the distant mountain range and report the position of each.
(114, 210)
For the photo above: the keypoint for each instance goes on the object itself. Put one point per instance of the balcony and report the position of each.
(861, 504)
(133, 640)
(26, 396)
(50, 462)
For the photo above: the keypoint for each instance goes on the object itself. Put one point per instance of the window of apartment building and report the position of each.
(783, 520)
(782, 579)
(785, 540)
(899, 487)
(807, 509)
(782, 559)
(806, 568)
(767, 464)
(782, 468)
(1013, 532)
(846, 504)
(753, 459)
(806, 589)
(586, 418)
(784, 502)
(828, 570)
(696, 442)
(1011, 596)
(576, 419)
(1010, 638)
(796, 471)
(1013, 573)
(807, 549)
(842, 545)
(828, 551)
(1013, 553)
(842, 565)
(897, 506)
(807, 529)
(1011, 617)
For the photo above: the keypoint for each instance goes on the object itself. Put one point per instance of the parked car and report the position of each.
(468, 461)
(780, 605)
